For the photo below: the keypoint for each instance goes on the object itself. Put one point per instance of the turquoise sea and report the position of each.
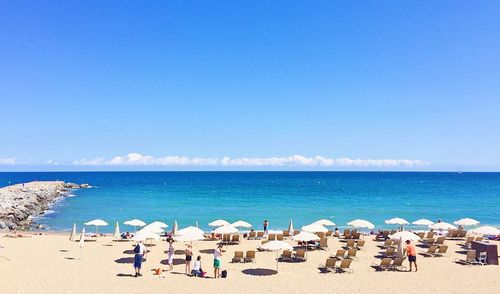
(278, 196)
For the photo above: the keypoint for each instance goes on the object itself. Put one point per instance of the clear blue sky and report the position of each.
(416, 80)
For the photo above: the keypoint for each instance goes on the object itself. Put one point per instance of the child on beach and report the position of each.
(189, 256)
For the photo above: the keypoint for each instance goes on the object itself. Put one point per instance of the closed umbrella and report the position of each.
(314, 228)
(197, 225)
(97, 223)
(116, 234)
(423, 222)
(72, 237)
(290, 228)
(219, 223)
(324, 222)
(175, 227)
(276, 246)
(442, 226)
(361, 224)
(486, 230)
(465, 222)
(400, 248)
(241, 224)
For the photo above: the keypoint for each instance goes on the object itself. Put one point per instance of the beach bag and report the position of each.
(223, 274)
(137, 249)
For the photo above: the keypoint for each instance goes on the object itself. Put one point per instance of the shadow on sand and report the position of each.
(259, 272)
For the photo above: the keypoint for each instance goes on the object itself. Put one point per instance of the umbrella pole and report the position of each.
(277, 261)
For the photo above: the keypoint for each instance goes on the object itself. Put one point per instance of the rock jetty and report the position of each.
(20, 203)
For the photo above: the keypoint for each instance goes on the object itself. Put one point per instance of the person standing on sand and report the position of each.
(412, 254)
(217, 256)
(170, 255)
(266, 224)
(140, 253)
(189, 257)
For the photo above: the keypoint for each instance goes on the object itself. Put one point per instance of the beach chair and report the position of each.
(238, 257)
(300, 255)
(428, 242)
(252, 235)
(344, 266)
(439, 241)
(279, 237)
(346, 232)
(470, 258)
(271, 237)
(323, 243)
(260, 235)
(397, 264)
(395, 243)
(441, 251)
(351, 254)
(479, 239)
(430, 252)
(452, 234)
(329, 233)
(226, 239)
(250, 256)
(356, 236)
(235, 239)
(385, 264)
(296, 232)
(482, 259)
(430, 235)
(350, 244)
(390, 252)
(387, 243)
(328, 266)
(468, 242)
(340, 254)
(286, 255)
(360, 244)
(462, 234)
(421, 235)
(286, 234)
(320, 235)
(347, 236)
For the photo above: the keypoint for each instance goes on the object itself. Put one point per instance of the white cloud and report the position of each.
(137, 159)
(8, 161)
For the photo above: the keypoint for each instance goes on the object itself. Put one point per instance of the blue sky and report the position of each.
(83, 82)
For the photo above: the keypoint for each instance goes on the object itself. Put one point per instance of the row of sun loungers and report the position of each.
(387, 263)
(249, 256)
(435, 251)
(331, 266)
(470, 258)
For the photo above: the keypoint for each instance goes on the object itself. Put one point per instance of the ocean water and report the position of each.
(277, 196)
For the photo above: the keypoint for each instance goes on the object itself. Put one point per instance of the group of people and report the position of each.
(196, 270)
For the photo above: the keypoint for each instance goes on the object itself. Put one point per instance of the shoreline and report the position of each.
(21, 203)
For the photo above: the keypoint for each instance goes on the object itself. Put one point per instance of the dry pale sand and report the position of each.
(52, 264)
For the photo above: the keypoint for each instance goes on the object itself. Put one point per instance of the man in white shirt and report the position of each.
(217, 258)
(140, 252)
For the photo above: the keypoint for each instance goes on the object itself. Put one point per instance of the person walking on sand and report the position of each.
(140, 253)
(189, 257)
(217, 257)
(170, 255)
(266, 225)
(411, 251)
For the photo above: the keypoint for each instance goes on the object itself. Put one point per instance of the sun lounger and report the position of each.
(260, 235)
(430, 235)
(250, 256)
(235, 239)
(346, 232)
(350, 244)
(238, 256)
(329, 233)
(421, 235)
(329, 265)
(351, 254)
(360, 244)
(385, 264)
(468, 242)
(427, 242)
(252, 235)
(430, 252)
(300, 255)
(320, 235)
(462, 234)
(470, 258)
(395, 243)
(344, 266)
(386, 243)
(271, 237)
(323, 243)
(356, 236)
(390, 252)
(347, 236)
(226, 239)
(279, 237)
(286, 234)
(439, 241)
(286, 255)
(296, 232)
(441, 251)
(479, 239)
(340, 254)
(397, 264)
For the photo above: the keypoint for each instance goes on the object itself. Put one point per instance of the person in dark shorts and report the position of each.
(189, 257)
(265, 225)
(411, 251)
(140, 252)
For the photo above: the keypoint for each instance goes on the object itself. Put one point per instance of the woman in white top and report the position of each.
(196, 271)
(171, 252)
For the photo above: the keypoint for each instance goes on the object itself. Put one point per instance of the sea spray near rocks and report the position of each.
(20, 203)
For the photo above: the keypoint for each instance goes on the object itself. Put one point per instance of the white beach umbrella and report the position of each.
(144, 235)
(405, 235)
(305, 237)
(189, 231)
(227, 229)
(486, 230)
(153, 228)
(159, 224)
(189, 236)
(313, 228)
(197, 225)
(361, 223)
(442, 226)
(97, 223)
(466, 222)
(116, 234)
(72, 237)
(135, 223)
(290, 228)
(241, 224)
(175, 227)
(276, 246)
(324, 222)
(423, 222)
(219, 223)
(397, 221)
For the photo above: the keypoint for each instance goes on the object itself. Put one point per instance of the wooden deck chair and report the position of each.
(360, 245)
(385, 264)
(430, 235)
(468, 242)
(271, 237)
(350, 244)
(346, 232)
(226, 239)
(356, 236)
(430, 252)
(286, 255)
(250, 256)
(238, 256)
(351, 254)
(439, 241)
(279, 237)
(252, 235)
(344, 266)
(286, 234)
(397, 264)
(260, 235)
(300, 255)
(296, 232)
(340, 254)
(320, 235)
(421, 235)
(387, 243)
(323, 243)
(470, 258)
(329, 265)
(389, 252)
(479, 239)
(329, 233)
(235, 239)
(462, 234)
(441, 251)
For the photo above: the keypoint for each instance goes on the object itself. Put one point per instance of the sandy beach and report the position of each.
(52, 264)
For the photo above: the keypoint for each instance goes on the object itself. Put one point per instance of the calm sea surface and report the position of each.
(278, 196)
